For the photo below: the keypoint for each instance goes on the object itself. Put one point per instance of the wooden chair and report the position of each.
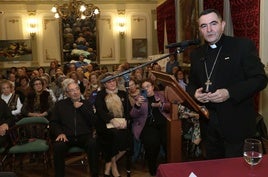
(2, 158)
(29, 136)
(81, 156)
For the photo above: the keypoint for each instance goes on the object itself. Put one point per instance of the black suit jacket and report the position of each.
(241, 72)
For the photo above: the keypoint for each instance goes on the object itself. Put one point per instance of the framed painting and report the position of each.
(79, 37)
(139, 48)
(15, 50)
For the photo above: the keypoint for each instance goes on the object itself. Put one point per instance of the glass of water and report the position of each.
(252, 151)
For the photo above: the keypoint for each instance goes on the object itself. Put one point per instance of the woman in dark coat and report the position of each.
(114, 135)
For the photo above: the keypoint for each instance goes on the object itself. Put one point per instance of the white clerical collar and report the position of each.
(213, 46)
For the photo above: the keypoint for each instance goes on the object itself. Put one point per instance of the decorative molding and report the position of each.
(108, 20)
(138, 19)
(14, 21)
(46, 21)
(106, 39)
(13, 27)
(51, 47)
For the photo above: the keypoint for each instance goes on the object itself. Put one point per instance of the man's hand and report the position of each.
(3, 129)
(200, 96)
(62, 137)
(219, 96)
(77, 104)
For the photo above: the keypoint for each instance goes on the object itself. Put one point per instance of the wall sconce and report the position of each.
(121, 23)
(32, 23)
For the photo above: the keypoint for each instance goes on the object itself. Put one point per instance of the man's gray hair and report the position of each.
(66, 83)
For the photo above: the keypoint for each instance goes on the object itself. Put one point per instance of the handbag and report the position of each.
(120, 121)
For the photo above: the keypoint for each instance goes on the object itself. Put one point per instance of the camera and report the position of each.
(144, 93)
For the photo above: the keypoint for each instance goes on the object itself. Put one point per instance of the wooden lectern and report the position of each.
(176, 95)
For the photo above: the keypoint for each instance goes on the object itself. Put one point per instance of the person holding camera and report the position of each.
(149, 122)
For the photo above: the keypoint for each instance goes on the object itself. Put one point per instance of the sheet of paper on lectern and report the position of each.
(192, 175)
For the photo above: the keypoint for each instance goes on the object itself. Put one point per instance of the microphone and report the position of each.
(184, 44)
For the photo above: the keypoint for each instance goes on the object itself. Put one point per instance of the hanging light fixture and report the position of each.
(77, 9)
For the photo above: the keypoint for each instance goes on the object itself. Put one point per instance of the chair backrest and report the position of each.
(8, 174)
(28, 129)
(32, 120)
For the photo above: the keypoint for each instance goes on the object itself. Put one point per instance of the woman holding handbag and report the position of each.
(114, 136)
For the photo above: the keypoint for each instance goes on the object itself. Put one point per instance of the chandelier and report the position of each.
(77, 9)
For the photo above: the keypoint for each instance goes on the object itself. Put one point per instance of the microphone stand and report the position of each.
(125, 73)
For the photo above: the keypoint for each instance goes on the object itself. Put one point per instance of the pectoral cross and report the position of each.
(207, 85)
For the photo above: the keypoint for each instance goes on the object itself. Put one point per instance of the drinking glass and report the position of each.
(252, 151)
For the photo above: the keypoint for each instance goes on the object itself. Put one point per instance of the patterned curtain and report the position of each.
(246, 19)
(160, 27)
(214, 4)
(170, 22)
(166, 18)
(246, 22)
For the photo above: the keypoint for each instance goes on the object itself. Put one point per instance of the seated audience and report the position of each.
(179, 75)
(6, 121)
(24, 89)
(12, 78)
(92, 86)
(87, 70)
(11, 98)
(172, 62)
(57, 88)
(52, 70)
(38, 103)
(46, 80)
(41, 71)
(74, 75)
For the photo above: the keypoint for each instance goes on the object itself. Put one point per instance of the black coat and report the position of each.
(72, 121)
(111, 140)
(241, 72)
(103, 115)
(5, 114)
